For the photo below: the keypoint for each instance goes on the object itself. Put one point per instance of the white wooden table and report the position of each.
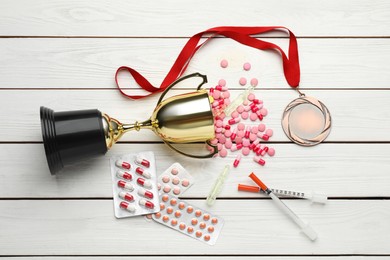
(63, 54)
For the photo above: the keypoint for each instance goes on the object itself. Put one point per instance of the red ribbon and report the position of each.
(242, 35)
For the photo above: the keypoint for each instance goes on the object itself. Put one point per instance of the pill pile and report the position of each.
(188, 219)
(174, 180)
(240, 131)
(134, 182)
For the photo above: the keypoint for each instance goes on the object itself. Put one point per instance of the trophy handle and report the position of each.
(214, 152)
(196, 74)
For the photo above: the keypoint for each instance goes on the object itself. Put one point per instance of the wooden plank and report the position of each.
(91, 63)
(363, 118)
(174, 18)
(198, 257)
(88, 227)
(348, 170)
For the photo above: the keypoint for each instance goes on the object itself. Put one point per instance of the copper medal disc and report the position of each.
(306, 121)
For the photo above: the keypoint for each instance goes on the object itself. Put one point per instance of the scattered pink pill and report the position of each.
(237, 160)
(234, 121)
(228, 144)
(245, 151)
(254, 82)
(223, 152)
(261, 127)
(246, 142)
(259, 160)
(264, 111)
(252, 137)
(224, 63)
(222, 139)
(271, 151)
(245, 103)
(216, 94)
(244, 115)
(240, 109)
(226, 95)
(253, 117)
(219, 146)
(222, 82)
(247, 66)
(240, 127)
(242, 81)
(228, 133)
(240, 133)
(251, 97)
(238, 140)
(269, 132)
(235, 114)
(254, 129)
(214, 141)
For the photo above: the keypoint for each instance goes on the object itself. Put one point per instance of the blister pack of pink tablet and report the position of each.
(175, 180)
(134, 181)
(188, 219)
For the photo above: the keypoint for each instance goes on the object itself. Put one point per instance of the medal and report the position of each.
(306, 121)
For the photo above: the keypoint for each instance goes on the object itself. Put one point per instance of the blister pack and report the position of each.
(188, 219)
(134, 183)
(175, 180)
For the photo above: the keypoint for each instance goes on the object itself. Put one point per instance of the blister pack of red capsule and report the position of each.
(188, 219)
(175, 180)
(134, 183)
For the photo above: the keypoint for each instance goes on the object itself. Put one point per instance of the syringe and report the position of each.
(218, 185)
(238, 100)
(305, 227)
(312, 196)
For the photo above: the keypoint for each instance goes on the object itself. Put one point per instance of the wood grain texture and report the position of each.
(353, 170)
(85, 227)
(199, 257)
(173, 18)
(91, 63)
(351, 118)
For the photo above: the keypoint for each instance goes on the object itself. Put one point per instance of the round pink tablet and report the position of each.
(238, 140)
(261, 127)
(269, 132)
(175, 180)
(185, 182)
(254, 130)
(245, 103)
(245, 151)
(253, 117)
(167, 188)
(251, 96)
(219, 123)
(252, 137)
(246, 142)
(223, 152)
(228, 133)
(165, 178)
(254, 82)
(242, 81)
(218, 135)
(214, 141)
(244, 115)
(240, 127)
(176, 190)
(271, 151)
(219, 146)
(224, 63)
(247, 66)
(174, 171)
(240, 109)
(227, 101)
(226, 94)
(240, 133)
(235, 114)
(222, 139)
(222, 82)
(216, 94)
(264, 111)
(228, 144)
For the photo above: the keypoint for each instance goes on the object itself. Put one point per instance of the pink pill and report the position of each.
(242, 81)
(216, 94)
(254, 82)
(226, 95)
(238, 140)
(264, 111)
(222, 139)
(219, 123)
(214, 141)
(244, 115)
(253, 117)
(227, 101)
(245, 103)
(269, 132)
(219, 147)
(245, 151)
(240, 109)
(240, 133)
(218, 135)
(251, 97)
(261, 127)
(240, 127)
(224, 63)
(246, 142)
(228, 133)
(271, 151)
(235, 114)
(223, 152)
(252, 137)
(254, 129)
(228, 144)
(247, 66)
(222, 82)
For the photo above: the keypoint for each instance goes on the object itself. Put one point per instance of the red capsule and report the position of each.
(234, 121)
(141, 161)
(227, 127)
(126, 196)
(255, 109)
(264, 137)
(259, 160)
(125, 185)
(127, 206)
(146, 204)
(124, 175)
(123, 164)
(144, 183)
(237, 161)
(247, 132)
(142, 172)
(234, 134)
(145, 193)
(211, 90)
(259, 115)
(254, 144)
